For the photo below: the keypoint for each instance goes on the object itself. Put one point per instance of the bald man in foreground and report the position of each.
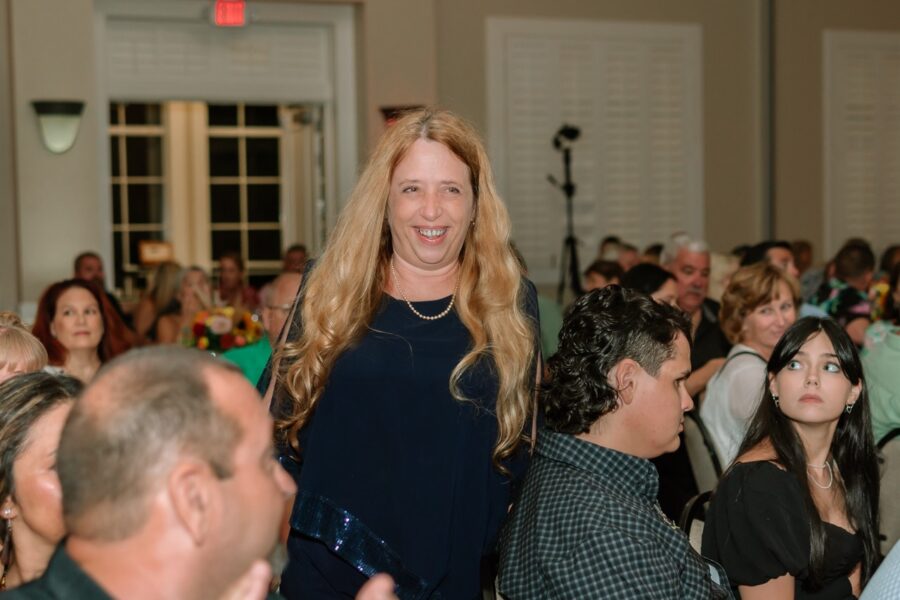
(170, 486)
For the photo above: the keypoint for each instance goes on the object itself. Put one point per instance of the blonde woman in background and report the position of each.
(158, 300)
(721, 268)
(407, 384)
(194, 295)
(758, 306)
(20, 352)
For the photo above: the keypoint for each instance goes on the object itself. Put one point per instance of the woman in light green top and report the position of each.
(881, 363)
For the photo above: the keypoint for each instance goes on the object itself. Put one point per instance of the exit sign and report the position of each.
(230, 13)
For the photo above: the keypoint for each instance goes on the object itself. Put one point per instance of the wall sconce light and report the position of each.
(58, 121)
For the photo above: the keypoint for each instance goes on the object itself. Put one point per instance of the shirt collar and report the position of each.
(623, 473)
(65, 579)
(709, 314)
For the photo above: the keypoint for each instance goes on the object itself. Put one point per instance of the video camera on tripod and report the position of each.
(569, 259)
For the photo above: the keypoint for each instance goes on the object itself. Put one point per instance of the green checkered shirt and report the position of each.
(587, 525)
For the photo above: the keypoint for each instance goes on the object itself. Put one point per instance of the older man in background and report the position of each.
(689, 261)
(252, 359)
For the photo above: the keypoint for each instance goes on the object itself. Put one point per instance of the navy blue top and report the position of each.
(397, 474)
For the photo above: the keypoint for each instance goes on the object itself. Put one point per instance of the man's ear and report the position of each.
(192, 487)
(623, 378)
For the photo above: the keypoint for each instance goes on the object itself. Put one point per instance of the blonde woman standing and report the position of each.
(407, 385)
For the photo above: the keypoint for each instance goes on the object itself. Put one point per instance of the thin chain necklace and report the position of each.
(440, 315)
(827, 465)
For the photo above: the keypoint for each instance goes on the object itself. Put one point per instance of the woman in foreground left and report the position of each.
(33, 409)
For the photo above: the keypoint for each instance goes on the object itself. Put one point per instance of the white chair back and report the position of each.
(701, 453)
(693, 518)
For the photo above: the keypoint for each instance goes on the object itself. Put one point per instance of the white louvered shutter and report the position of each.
(145, 59)
(862, 138)
(635, 92)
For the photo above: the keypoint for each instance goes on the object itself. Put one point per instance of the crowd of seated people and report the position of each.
(826, 497)
(79, 325)
(428, 426)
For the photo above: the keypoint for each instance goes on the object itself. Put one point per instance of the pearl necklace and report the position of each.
(827, 465)
(440, 315)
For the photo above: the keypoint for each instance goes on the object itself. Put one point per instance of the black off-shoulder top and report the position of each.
(757, 529)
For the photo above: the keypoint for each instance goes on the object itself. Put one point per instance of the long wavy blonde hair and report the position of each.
(345, 288)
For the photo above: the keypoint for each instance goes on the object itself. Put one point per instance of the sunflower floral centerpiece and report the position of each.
(223, 328)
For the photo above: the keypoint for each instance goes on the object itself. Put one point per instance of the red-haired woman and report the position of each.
(79, 328)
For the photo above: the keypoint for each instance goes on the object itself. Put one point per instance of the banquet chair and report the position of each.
(889, 451)
(701, 453)
(693, 518)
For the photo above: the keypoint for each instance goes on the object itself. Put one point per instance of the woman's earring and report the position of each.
(849, 408)
(775, 399)
(7, 539)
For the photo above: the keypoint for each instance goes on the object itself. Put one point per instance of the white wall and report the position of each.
(9, 254)
(58, 198)
(58, 195)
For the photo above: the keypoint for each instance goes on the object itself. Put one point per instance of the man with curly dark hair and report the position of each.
(587, 523)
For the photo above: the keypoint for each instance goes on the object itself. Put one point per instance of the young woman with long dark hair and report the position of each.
(796, 514)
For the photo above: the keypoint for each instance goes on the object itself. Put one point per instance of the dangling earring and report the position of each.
(6, 552)
(775, 399)
(849, 408)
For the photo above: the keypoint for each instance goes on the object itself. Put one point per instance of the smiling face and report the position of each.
(431, 206)
(77, 322)
(765, 324)
(812, 389)
(36, 503)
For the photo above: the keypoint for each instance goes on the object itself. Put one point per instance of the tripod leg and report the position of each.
(563, 269)
(575, 273)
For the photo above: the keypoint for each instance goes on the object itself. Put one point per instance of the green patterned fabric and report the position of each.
(587, 525)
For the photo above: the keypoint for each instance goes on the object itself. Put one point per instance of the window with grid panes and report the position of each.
(245, 185)
(136, 133)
